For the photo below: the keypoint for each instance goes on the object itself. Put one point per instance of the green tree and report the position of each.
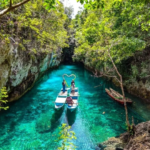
(34, 25)
(9, 5)
(110, 35)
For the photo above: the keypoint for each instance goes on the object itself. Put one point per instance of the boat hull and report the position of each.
(71, 108)
(58, 107)
(60, 100)
(117, 100)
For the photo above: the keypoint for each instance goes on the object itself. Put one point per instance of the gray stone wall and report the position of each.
(19, 69)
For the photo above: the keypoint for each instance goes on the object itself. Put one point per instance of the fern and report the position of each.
(3, 96)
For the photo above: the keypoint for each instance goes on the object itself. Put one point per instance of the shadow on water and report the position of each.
(55, 118)
(71, 116)
(54, 121)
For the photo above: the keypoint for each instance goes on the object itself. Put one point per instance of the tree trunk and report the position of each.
(122, 89)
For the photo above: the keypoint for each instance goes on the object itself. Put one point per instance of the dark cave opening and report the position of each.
(68, 52)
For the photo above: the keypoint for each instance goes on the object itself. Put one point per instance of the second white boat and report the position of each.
(72, 100)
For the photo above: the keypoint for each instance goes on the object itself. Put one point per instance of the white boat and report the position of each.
(73, 104)
(60, 100)
(62, 97)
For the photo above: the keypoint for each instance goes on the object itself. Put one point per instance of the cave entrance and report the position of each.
(68, 52)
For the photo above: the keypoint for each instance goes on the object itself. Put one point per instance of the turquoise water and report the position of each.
(32, 123)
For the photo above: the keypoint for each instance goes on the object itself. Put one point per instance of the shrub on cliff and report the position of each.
(3, 96)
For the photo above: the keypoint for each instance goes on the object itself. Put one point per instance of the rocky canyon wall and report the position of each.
(136, 74)
(19, 69)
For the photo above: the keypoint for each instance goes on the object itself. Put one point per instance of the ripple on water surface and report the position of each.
(32, 123)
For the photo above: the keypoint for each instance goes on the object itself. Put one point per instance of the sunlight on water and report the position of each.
(31, 123)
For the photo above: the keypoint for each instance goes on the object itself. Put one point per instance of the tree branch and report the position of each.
(121, 83)
(112, 59)
(105, 75)
(10, 3)
(12, 7)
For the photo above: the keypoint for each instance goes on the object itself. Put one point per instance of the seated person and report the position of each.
(69, 101)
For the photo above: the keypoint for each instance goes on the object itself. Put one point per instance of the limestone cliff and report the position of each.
(19, 69)
(138, 81)
(136, 74)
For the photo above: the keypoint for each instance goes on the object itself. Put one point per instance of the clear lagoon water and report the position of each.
(32, 123)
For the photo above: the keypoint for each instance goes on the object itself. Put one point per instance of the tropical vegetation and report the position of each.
(34, 27)
(110, 32)
(107, 33)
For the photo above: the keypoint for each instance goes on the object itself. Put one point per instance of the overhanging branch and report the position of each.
(12, 7)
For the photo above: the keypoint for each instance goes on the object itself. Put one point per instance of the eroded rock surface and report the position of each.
(113, 144)
(19, 69)
(140, 140)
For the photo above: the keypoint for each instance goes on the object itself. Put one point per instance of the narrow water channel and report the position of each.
(32, 123)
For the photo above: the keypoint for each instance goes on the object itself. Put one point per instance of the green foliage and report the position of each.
(122, 26)
(3, 96)
(130, 129)
(135, 72)
(144, 70)
(38, 29)
(47, 4)
(66, 136)
(95, 4)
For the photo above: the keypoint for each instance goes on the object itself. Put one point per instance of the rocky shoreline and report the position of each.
(139, 141)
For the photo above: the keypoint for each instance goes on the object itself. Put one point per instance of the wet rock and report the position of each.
(141, 139)
(113, 143)
(101, 146)
(97, 148)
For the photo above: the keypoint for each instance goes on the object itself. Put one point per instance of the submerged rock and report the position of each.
(101, 146)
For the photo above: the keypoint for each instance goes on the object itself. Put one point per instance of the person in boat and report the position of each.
(73, 88)
(72, 85)
(72, 82)
(64, 86)
(69, 100)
